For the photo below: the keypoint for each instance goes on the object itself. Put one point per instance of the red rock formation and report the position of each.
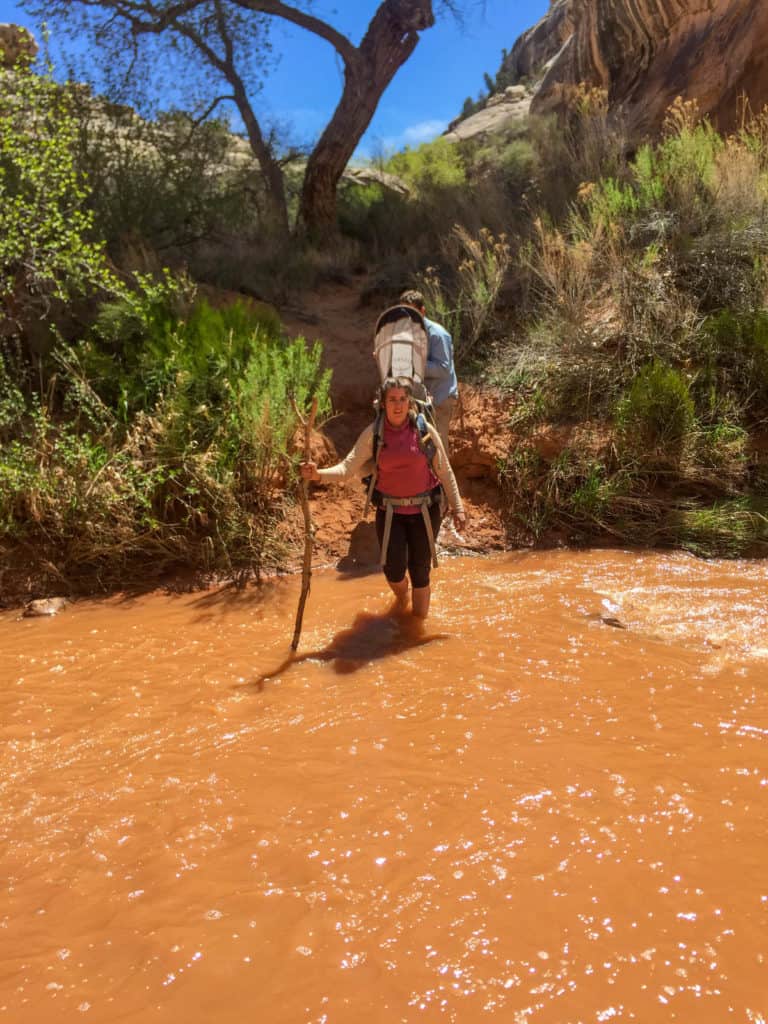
(647, 52)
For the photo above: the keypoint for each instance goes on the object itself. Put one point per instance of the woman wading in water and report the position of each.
(412, 481)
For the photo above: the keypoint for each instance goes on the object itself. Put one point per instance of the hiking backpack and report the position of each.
(401, 347)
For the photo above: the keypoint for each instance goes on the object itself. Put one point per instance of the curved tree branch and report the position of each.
(261, 149)
(346, 50)
(201, 118)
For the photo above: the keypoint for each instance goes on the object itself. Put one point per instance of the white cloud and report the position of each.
(414, 135)
(424, 131)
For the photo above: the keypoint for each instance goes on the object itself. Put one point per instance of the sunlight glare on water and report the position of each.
(547, 804)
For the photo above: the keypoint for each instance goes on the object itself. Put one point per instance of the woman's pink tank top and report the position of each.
(403, 467)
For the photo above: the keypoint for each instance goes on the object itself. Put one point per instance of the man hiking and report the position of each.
(440, 376)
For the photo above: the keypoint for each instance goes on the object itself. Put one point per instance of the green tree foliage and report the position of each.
(45, 223)
(503, 78)
(169, 182)
(432, 165)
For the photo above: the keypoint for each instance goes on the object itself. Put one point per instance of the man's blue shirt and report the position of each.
(440, 375)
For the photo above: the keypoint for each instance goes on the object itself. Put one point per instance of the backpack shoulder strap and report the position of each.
(378, 435)
(377, 439)
(426, 443)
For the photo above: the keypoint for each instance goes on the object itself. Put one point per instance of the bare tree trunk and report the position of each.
(274, 182)
(390, 40)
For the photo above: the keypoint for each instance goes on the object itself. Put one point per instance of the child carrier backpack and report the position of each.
(401, 347)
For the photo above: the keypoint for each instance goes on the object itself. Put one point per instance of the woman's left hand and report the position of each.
(459, 521)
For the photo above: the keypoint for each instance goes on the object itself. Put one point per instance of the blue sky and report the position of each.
(427, 92)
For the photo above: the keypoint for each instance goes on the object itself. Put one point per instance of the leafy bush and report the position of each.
(583, 492)
(579, 491)
(12, 401)
(45, 224)
(723, 447)
(142, 342)
(735, 362)
(170, 183)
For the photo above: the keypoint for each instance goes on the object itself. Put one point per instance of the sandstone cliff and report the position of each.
(647, 52)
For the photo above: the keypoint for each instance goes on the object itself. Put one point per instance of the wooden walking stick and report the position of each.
(306, 571)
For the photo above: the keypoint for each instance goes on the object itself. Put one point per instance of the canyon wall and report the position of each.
(645, 53)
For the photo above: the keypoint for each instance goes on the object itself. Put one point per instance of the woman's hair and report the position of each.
(389, 383)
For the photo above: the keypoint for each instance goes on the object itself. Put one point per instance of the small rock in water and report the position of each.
(45, 606)
(611, 620)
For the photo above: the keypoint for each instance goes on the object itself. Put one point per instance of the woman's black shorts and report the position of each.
(408, 546)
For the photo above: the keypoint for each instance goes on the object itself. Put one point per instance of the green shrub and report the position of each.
(676, 176)
(170, 183)
(657, 413)
(723, 446)
(141, 343)
(726, 529)
(577, 491)
(12, 401)
(611, 204)
(509, 158)
(178, 459)
(735, 361)
(520, 475)
(687, 163)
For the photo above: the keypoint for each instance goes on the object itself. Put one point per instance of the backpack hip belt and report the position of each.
(424, 502)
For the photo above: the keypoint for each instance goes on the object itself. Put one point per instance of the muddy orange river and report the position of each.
(521, 812)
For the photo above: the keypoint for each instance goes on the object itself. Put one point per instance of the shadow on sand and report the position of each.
(369, 638)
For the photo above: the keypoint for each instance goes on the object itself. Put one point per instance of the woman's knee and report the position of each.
(394, 574)
(419, 573)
